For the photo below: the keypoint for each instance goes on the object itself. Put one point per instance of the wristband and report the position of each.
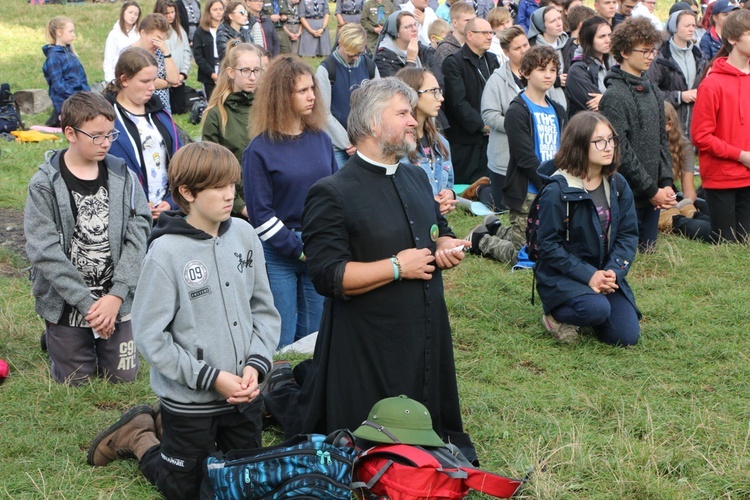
(396, 269)
(166, 56)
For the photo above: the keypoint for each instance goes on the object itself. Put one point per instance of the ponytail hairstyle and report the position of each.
(132, 60)
(736, 24)
(161, 8)
(586, 38)
(676, 139)
(414, 78)
(121, 22)
(58, 23)
(224, 84)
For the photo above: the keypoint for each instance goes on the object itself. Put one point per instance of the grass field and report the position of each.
(666, 419)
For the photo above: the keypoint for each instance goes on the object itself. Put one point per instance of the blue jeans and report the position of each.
(613, 317)
(294, 296)
(341, 156)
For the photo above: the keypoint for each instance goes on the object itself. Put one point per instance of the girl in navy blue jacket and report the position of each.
(587, 237)
(62, 69)
(148, 136)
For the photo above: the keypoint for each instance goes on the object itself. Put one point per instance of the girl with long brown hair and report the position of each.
(289, 153)
(433, 152)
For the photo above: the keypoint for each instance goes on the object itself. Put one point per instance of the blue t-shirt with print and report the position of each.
(546, 132)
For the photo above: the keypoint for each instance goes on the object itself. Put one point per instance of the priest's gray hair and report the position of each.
(369, 101)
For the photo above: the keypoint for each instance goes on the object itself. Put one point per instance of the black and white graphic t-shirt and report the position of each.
(90, 251)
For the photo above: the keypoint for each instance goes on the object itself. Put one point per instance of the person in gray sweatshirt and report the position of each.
(502, 87)
(86, 222)
(206, 323)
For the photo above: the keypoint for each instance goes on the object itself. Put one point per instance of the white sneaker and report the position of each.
(561, 331)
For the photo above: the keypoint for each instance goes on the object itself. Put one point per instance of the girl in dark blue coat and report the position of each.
(587, 238)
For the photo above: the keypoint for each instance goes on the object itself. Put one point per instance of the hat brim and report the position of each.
(406, 436)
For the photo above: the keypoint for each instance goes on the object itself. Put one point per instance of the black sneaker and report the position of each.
(475, 235)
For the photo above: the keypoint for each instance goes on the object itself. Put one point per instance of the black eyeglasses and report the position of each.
(435, 92)
(246, 72)
(99, 139)
(480, 32)
(601, 144)
(647, 52)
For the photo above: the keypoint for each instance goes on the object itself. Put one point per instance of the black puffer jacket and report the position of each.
(634, 106)
(667, 75)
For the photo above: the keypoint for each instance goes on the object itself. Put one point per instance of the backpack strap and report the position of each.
(382, 429)
(330, 65)
(370, 67)
(492, 484)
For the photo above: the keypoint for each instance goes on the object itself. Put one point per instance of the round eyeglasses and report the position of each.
(246, 72)
(436, 92)
(99, 139)
(601, 144)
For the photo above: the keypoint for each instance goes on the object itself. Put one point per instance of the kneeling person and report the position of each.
(205, 368)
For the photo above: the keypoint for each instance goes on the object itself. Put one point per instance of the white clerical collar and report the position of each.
(389, 169)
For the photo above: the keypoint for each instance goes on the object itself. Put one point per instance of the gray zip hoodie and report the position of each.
(49, 224)
(203, 305)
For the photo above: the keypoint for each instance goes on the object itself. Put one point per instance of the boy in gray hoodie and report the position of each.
(86, 222)
(207, 326)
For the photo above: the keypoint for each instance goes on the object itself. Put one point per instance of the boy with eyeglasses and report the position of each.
(635, 107)
(86, 223)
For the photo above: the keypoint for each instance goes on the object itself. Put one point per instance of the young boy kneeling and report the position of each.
(86, 223)
(205, 322)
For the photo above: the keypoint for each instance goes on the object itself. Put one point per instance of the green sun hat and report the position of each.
(399, 420)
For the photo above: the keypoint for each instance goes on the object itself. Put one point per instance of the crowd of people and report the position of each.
(316, 200)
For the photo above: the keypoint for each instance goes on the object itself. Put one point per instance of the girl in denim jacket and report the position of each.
(432, 152)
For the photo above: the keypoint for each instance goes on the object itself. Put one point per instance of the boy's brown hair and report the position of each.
(538, 57)
(579, 14)
(630, 33)
(84, 106)
(200, 166)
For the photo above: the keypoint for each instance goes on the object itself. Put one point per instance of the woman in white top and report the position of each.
(179, 46)
(122, 36)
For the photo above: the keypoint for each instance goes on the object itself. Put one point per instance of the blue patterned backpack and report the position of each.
(305, 466)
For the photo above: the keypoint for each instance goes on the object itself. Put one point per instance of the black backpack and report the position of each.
(10, 115)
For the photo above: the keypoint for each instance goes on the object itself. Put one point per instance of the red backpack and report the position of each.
(405, 472)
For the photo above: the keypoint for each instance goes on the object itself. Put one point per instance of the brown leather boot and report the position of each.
(129, 437)
(665, 219)
(470, 193)
(688, 210)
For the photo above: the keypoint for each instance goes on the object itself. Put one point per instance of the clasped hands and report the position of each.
(419, 263)
(604, 282)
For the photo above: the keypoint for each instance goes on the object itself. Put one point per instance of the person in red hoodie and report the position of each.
(721, 120)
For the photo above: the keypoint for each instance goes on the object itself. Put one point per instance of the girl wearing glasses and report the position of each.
(154, 31)
(148, 136)
(432, 152)
(587, 238)
(289, 153)
(235, 25)
(225, 121)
